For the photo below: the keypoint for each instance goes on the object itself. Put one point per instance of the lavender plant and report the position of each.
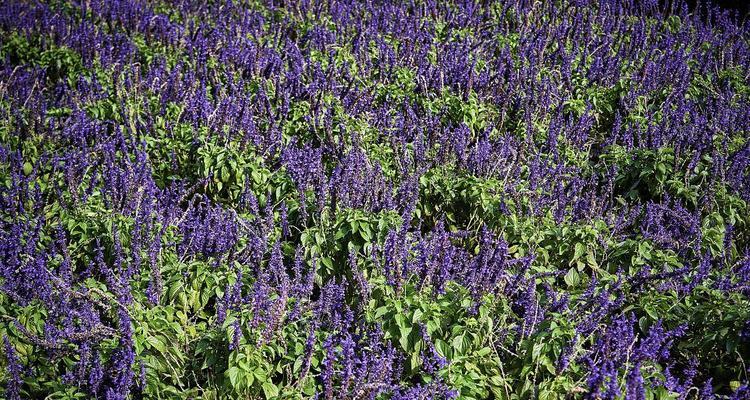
(374, 200)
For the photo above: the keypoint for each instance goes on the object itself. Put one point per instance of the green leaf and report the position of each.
(327, 262)
(380, 312)
(309, 387)
(484, 351)
(443, 349)
(591, 260)
(270, 390)
(536, 351)
(572, 279)
(417, 315)
(233, 374)
(458, 344)
(250, 379)
(661, 168)
(157, 344)
(580, 249)
(342, 232)
(401, 320)
(497, 381)
(260, 375)
(404, 339)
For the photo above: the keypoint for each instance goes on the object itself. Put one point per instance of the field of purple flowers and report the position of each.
(374, 200)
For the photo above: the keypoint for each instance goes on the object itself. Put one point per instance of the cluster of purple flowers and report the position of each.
(490, 130)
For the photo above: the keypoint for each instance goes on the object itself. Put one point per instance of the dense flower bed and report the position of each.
(374, 200)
